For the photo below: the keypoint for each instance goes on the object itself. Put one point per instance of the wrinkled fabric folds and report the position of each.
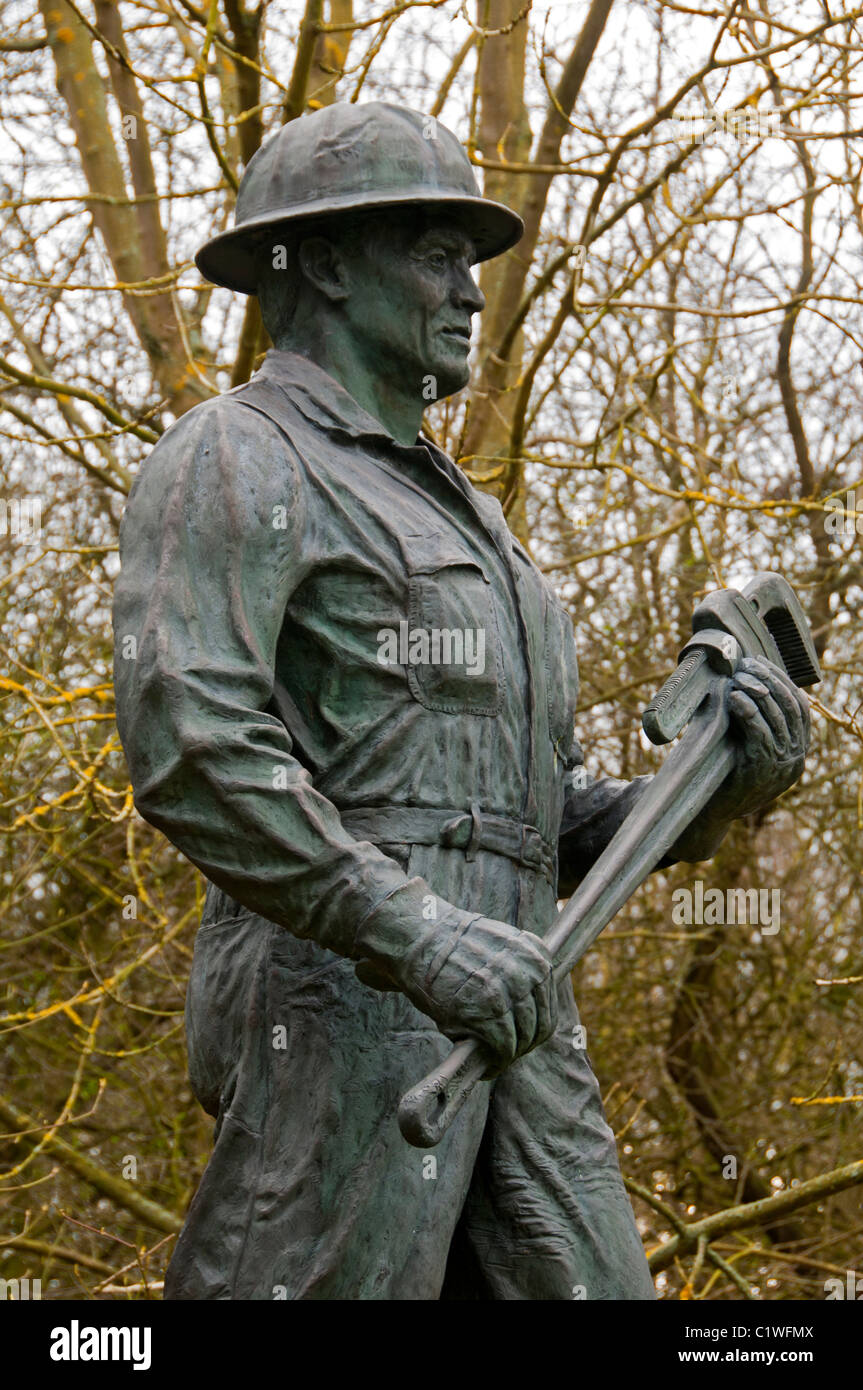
(271, 538)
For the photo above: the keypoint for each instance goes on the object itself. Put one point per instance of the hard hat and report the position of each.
(350, 158)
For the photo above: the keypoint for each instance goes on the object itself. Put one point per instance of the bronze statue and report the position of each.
(351, 704)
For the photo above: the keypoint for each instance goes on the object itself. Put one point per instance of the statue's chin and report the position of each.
(452, 380)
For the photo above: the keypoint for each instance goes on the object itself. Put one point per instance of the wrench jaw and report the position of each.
(427, 1111)
(673, 706)
(778, 608)
(727, 610)
(764, 620)
(708, 654)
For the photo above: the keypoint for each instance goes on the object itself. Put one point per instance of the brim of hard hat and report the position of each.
(229, 259)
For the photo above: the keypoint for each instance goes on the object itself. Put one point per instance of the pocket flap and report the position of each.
(428, 551)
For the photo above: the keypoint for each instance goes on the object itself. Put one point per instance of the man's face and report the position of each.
(411, 299)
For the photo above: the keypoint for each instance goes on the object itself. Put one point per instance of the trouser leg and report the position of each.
(311, 1192)
(547, 1215)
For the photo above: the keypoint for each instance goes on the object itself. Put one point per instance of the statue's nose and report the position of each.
(467, 294)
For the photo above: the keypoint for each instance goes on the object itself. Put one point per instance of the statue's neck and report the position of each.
(374, 386)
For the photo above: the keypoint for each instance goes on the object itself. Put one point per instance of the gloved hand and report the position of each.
(771, 728)
(476, 977)
(770, 720)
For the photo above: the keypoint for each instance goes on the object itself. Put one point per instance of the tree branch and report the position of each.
(748, 1214)
(149, 1212)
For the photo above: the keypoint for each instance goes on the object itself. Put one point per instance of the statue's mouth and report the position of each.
(463, 334)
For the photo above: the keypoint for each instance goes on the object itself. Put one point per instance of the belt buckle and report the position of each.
(451, 836)
(531, 847)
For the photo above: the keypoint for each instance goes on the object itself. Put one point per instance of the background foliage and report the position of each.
(665, 396)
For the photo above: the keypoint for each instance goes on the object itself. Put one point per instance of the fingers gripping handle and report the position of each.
(427, 1111)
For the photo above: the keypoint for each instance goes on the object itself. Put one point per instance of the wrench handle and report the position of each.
(427, 1111)
(689, 776)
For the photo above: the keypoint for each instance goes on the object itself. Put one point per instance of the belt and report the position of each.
(471, 831)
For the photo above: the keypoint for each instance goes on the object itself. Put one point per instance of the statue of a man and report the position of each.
(351, 705)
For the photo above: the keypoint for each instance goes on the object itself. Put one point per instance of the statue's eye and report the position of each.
(437, 260)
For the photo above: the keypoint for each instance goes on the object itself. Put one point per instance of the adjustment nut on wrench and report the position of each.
(721, 649)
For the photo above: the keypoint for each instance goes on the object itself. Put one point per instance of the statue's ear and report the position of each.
(324, 266)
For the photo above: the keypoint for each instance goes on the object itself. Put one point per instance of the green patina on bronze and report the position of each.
(385, 840)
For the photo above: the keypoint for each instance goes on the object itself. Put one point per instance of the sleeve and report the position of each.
(211, 551)
(593, 811)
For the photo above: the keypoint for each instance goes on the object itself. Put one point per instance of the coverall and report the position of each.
(272, 536)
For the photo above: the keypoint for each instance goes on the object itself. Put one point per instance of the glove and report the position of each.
(476, 977)
(770, 720)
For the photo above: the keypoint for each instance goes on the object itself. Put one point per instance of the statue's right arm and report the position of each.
(205, 581)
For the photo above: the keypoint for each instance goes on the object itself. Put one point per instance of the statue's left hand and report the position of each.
(770, 724)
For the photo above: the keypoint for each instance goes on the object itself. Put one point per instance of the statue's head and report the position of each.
(369, 214)
(400, 287)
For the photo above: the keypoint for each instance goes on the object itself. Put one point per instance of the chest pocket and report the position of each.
(561, 674)
(454, 652)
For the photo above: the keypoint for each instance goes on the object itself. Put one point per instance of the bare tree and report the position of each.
(665, 396)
